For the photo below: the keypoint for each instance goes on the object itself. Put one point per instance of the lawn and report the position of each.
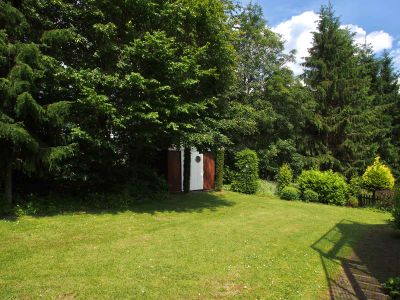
(192, 247)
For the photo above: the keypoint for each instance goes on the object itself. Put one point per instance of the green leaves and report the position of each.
(57, 156)
(344, 127)
(28, 109)
(246, 172)
(330, 186)
(378, 176)
(17, 138)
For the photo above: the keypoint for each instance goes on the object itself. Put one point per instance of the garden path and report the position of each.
(375, 259)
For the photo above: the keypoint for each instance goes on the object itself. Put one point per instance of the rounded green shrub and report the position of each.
(331, 187)
(378, 176)
(284, 176)
(246, 172)
(290, 193)
(310, 196)
(352, 201)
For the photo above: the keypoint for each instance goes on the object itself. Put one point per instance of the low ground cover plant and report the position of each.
(392, 286)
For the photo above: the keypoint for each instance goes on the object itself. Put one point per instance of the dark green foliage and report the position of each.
(130, 79)
(271, 103)
(186, 169)
(310, 196)
(29, 136)
(392, 286)
(122, 197)
(246, 172)
(331, 187)
(284, 177)
(387, 98)
(356, 186)
(290, 193)
(229, 175)
(279, 153)
(396, 209)
(219, 169)
(92, 92)
(342, 132)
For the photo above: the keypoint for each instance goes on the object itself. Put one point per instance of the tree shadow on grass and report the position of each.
(192, 202)
(196, 202)
(375, 258)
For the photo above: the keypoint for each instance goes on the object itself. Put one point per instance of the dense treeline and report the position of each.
(93, 92)
(339, 114)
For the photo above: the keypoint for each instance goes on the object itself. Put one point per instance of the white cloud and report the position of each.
(297, 33)
(379, 40)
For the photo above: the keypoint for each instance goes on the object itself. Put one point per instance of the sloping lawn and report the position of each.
(190, 247)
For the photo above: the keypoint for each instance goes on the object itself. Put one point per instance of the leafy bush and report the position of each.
(392, 286)
(282, 151)
(352, 201)
(228, 175)
(378, 176)
(310, 196)
(246, 173)
(290, 193)
(219, 170)
(356, 186)
(266, 188)
(331, 187)
(284, 176)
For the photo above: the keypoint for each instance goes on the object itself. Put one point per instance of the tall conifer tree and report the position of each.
(343, 128)
(28, 124)
(387, 96)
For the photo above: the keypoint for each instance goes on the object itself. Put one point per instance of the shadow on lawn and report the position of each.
(192, 202)
(375, 257)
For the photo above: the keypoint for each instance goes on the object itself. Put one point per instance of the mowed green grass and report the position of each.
(197, 246)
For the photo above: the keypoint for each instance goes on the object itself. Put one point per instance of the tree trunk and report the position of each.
(8, 184)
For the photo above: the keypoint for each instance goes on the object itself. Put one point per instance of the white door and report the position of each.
(196, 170)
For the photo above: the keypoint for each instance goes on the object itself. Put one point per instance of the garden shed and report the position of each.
(202, 170)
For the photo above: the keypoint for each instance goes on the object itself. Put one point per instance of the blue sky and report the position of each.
(371, 20)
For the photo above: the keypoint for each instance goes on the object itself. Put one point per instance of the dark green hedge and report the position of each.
(219, 170)
(246, 172)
